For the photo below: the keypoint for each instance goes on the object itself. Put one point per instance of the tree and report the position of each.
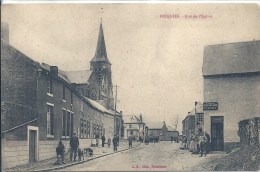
(175, 122)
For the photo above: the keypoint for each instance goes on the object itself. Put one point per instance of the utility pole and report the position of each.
(116, 98)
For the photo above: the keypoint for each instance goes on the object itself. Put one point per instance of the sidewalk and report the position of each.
(47, 165)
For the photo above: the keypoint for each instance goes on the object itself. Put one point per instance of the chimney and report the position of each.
(5, 32)
(54, 70)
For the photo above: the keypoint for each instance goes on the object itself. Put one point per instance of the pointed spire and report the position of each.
(101, 53)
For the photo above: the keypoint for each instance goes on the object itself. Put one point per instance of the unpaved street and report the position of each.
(163, 156)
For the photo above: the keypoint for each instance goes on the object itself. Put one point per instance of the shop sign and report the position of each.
(210, 106)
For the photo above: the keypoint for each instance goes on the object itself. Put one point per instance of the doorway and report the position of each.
(217, 135)
(33, 143)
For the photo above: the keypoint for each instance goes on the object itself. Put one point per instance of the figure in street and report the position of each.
(208, 142)
(103, 139)
(60, 153)
(97, 140)
(203, 141)
(74, 144)
(171, 139)
(108, 141)
(115, 142)
(130, 141)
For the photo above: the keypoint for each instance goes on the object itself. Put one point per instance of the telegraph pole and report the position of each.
(116, 98)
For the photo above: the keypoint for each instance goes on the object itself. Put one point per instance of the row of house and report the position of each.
(136, 127)
(231, 81)
(42, 104)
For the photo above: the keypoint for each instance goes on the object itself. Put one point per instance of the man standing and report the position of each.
(203, 140)
(103, 140)
(74, 144)
(207, 142)
(130, 140)
(171, 139)
(114, 140)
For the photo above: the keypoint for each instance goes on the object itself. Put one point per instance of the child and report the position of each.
(108, 141)
(80, 154)
(60, 153)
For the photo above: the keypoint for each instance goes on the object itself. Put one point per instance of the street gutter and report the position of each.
(81, 162)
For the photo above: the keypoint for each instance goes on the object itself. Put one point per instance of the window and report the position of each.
(49, 120)
(64, 93)
(67, 123)
(50, 89)
(200, 118)
(81, 127)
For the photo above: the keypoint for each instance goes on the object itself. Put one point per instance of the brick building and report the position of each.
(41, 104)
(188, 125)
(231, 75)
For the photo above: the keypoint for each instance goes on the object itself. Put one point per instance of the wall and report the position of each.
(18, 89)
(15, 153)
(238, 98)
(108, 122)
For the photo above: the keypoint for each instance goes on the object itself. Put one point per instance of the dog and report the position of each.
(80, 154)
(89, 152)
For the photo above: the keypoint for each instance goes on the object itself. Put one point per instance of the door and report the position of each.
(32, 146)
(217, 136)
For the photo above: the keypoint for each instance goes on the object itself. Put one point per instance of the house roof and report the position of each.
(131, 119)
(79, 77)
(155, 125)
(62, 74)
(231, 58)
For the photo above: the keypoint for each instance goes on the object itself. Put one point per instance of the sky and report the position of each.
(156, 57)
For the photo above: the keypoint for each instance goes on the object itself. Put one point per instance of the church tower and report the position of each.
(101, 68)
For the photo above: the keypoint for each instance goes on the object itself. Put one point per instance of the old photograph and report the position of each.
(130, 86)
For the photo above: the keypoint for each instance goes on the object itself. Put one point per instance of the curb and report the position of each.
(81, 162)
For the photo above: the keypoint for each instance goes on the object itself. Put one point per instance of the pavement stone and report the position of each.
(48, 164)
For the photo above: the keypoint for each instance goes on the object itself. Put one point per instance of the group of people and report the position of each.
(115, 141)
(75, 150)
(197, 144)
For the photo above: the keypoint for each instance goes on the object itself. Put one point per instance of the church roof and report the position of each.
(101, 53)
(98, 106)
(232, 58)
(79, 76)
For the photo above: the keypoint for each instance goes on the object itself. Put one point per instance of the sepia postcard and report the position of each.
(130, 86)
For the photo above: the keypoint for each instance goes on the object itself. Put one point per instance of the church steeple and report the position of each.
(101, 53)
